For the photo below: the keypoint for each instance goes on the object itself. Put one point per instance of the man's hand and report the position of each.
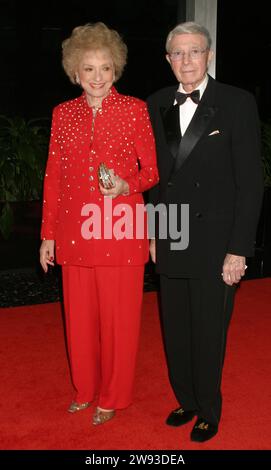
(233, 269)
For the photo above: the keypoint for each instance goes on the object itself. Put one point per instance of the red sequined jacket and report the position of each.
(120, 135)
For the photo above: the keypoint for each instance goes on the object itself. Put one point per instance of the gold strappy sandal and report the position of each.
(74, 406)
(101, 416)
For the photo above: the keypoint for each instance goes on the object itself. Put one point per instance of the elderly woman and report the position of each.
(95, 232)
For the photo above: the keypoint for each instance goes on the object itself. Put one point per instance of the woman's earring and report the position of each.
(77, 80)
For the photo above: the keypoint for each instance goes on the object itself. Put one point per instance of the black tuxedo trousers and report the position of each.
(196, 315)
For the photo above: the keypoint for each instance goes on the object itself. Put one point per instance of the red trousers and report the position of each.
(102, 311)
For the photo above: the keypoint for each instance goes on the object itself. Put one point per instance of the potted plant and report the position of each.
(266, 153)
(23, 154)
(266, 207)
(260, 265)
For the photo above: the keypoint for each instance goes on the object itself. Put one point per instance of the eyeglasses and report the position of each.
(194, 54)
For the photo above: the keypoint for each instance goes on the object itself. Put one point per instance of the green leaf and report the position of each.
(6, 221)
(266, 152)
(23, 156)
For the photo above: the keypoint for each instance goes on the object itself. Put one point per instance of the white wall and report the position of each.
(205, 13)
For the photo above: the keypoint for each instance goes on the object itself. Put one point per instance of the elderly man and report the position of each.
(208, 145)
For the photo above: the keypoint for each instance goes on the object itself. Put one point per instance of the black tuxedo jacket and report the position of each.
(216, 169)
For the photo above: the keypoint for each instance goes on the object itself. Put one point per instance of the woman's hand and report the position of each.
(120, 187)
(153, 250)
(47, 254)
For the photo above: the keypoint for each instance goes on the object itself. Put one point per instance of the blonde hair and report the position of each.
(93, 36)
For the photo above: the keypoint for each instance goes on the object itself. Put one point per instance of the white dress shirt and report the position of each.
(188, 108)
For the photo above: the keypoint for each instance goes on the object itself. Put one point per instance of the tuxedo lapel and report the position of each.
(193, 134)
(171, 122)
(203, 115)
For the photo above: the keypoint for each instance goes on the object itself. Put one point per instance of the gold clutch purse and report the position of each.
(105, 178)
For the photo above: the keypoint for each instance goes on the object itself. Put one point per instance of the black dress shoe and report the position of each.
(203, 431)
(179, 417)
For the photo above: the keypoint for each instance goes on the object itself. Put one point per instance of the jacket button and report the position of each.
(170, 183)
(198, 215)
(197, 185)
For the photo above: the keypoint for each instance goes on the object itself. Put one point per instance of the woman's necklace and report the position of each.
(95, 109)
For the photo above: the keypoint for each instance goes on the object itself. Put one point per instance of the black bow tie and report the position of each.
(181, 97)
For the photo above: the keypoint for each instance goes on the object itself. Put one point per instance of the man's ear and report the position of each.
(168, 58)
(210, 56)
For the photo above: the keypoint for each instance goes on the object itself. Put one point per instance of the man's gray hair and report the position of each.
(189, 27)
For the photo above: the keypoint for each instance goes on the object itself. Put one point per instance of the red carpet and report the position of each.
(36, 389)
